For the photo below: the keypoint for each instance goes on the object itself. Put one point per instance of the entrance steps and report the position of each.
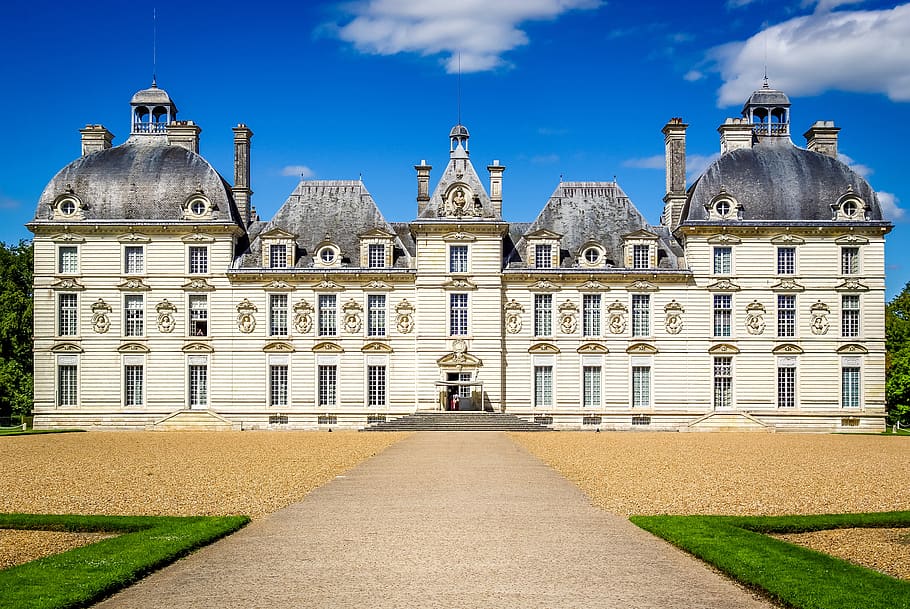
(457, 421)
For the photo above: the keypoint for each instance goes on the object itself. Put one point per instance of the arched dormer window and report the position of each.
(849, 207)
(724, 207)
(197, 207)
(68, 207)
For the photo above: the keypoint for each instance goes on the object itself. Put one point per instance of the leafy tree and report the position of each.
(897, 362)
(15, 329)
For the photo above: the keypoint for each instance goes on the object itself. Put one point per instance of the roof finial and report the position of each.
(154, 46)
(765, 82)
(459, 88)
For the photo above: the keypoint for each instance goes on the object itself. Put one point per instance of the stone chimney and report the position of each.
(184, 134)
(735, 134)
(241, 190)
(496, 186)
(423, 186)
(95, 138)
(675, 155)
(822, 137)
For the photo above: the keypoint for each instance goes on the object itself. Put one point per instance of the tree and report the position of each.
(15, 329)
(897, 358)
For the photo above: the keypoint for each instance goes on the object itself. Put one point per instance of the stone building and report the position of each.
(756, 302)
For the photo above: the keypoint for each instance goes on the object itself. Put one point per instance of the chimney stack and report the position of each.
(496, 186)
(95, 138)
(735, 134)
(184, 134)
(675, 155)
(423, 186)
(241, 190)
(822, 138)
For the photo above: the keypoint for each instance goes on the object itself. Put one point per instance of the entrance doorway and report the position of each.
(458, 395)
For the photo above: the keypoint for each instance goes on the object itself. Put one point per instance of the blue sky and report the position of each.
(550, 88)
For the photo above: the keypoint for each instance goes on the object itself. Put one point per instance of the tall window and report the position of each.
(786, 260)
(376, 315)
(328, 315)
(133, 376)
(328, 385)
(199, 315)
(786, 387)
(641, 315)
(849, 260)
(278, 314)
(641, 386)
(591, 386)
(278, 385)
(590, 314)
(543, 386)
(458, 258)
(786, 316)
(67, 384)
(199, 259)
(723, 382)
(723, 314)
(458, 314)
(376, 255)
(68, 259)
(278, 256)
(723, 260)
(67, 315)
(133, 260)
(850, 386)
(134, 315)
(641, 256)
(850, 315)
(376, 385)
(543, 256)
(199, 385)
(543, 314)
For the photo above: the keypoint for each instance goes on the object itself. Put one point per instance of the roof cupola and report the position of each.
(768, 110)
(458, 137)
(152, 110)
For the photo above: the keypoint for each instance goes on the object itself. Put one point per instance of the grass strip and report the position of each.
(83, 576)
(35, 432)
(793, 575)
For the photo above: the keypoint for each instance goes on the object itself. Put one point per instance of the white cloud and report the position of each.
(9, 203)
(695, 163)
(298, 171)
(863, 170)
(648, 162)
(479, 30)
(859, 51)
(890, 209)
(693, 75)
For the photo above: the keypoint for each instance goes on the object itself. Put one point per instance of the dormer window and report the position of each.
(68, 207)
(592, 255)
(850, 207)
(543, 256)
(376, 247)
(723, 207)
(327, 255)
(376, 256)
(640, 249)
(278, 256)
(542, 249)
(279, 249)
(641, 256)
(197, 207)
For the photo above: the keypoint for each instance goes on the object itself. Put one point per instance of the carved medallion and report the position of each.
(166, 320)
(404, 317)
(101, 316)
(303, 316)
(755, 318)
(568, 317)
(246, 320)
(616, 317)
(673, 320)
(351, 314)
(820, 322)
(513, 310)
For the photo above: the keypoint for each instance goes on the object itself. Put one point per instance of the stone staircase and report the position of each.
(457, 421)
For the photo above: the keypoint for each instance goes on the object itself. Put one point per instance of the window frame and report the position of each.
(376, 256)
(278, 256)
(72, 249)
(851, 397)
(851, 317)
(640, 311)
(850, 259)
(134, 316)
(327, 315)
(133, 395)
(67, 314)
(544, 387)
(723, 260)
(327, 385)
(591, 388)
(543, 256)
(278, 314)
(279, 385)
(722, 315)
(459, 313)
(786, 260)
(377, 315)
(786, 315)
(640, 250)
(377, 388)
(640, 391)
(197, 260)
(591, 315)
(197, 385)
(129, 267)
(786, 386)
(193, 315)
(458, 258)
(66, 394)
(722, 382)
(543, 315)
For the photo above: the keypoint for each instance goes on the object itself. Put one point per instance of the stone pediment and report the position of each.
(641, 349)
(278, 286)
(376, 285)
(66, 348)
(197, 348)
(542, 234)
(197, 238)
(592, 285)
(724, 349)
(327, 347)
(639, 235)
(595, 348)
(787, 349)
(277, 233)
(543, 348)
(724, 239)
(458, 236)
(68, 238)
(198, 285)
(852, 348)
(376, 233)
(851, 240)
(544, 285)
(460, 284)
(328, 285)
(68, 284)
(851, 285)
(459, 360)
(133, 348)
(376, 347)
(278, 346)
(135, 284)
(133, 238)
(787, 285)
(787, 239)
(642, 286)
(723, 285)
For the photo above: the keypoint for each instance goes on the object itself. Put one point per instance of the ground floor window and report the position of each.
(641, 386)
(376, 385)
(786, 387)
(591, 386)
(67, 384)
(278, 385)
(328, 385)
(723, 382)
(543, 386)
(850, 386)
(133, 377)
(199, 385)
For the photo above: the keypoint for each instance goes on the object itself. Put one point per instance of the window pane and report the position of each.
(278, 385)
(327, 315)
(199, 394)
(458, 258)
(723, 382)
(328, 379)
(641, 315)
(66, 385)
(849, 260)
(786, 387)
(723, 315)
(543, 256)
(723, 260)
(199, 259)
(641, 256)
(278, 256)
(641, 386)
(376, 255)
(850, 316)
(376, 385)
(850, 387)
(543, 385)
(278, 314)
(458, 314)
(134, 315)
(786, 316)
(591, 381)
(543, 314)
(132, 378)
(786, 260)
(68, 259)
(376, 315)
(67, 315)
(133, 260)
(591, 314)
(199, 315)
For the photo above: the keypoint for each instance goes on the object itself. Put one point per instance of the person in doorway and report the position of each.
(454, 401)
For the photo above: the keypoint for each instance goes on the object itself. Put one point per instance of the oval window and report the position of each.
(849, 208)
(327, 255)
(592, 255)
(198, 207)
(722, 207)
(67, 207)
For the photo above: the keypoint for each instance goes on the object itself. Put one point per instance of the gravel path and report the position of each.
(17, 547)
(885, 550)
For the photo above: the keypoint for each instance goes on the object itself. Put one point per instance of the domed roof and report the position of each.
(459, 130)
(139, 180)
(776, 181)
(153, 96)
(767, 97)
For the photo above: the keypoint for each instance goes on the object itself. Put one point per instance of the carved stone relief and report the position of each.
(755, 318)
(101, 316)
(568, 317)
(351, 313)
(404, 317)
(673, 321)
(246, 321)
(616, 317)
(820, 322)
(513, 310)
(303, 316)
(166, 320)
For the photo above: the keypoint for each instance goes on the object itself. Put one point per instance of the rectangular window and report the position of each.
(543, 314)
(328, 315)
(723, 382)
(641, 256)
(376, 385)
(278, 385)
(458, 314)
(850, 315)
(786, 260)
(278, 314)
(376, 315)
(199, 315)
(67, 385)
(67, 315)
(134, 315)
(723, 260)
(849, 260)
(68, 259)
(199, 260)
(543, 256)
(641, 386)
(133, 376)
(543, 386)
(458, 258)
(590, 314)
(786, 387)
(591, 386)
(376, 256)
(641, 315)
(328, 385)
(199, 385)
(723, 314)
(133, 260)
(786, 316)
(850, 386)
(278, 256)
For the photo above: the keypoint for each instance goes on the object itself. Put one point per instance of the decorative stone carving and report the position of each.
(246, 320)
(351, 316)
(820, 322)
(133, 283)
(68, 284)
(723, 285)
(101, 316)
(166, 319)
(642, 286)
(303, 316)
(376, 285)
(787, 285)
(544, 285)
(851, 285)
(278, 284)
(328, 284)
(755, 318)
(460, 201)
(673, 321)
(616, 317)
(593, 285)
(513, 310)
(404, 317)
(460, 284)
(568, 317)
(198, 285)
